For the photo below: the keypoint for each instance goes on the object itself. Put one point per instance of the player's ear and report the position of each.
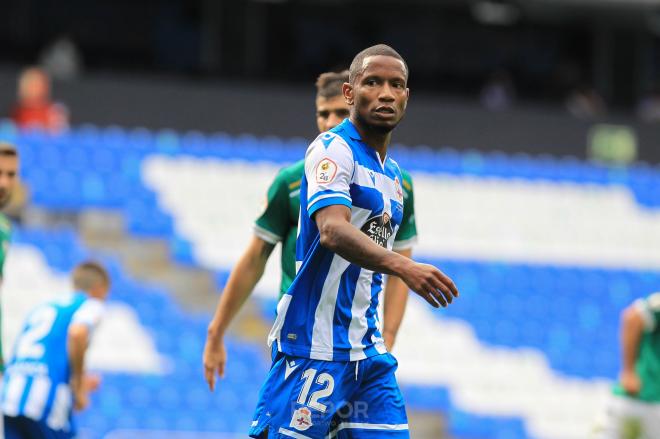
(347, 91)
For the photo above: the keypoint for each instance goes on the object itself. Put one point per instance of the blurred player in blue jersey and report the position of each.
(45, 380)
(332, 376)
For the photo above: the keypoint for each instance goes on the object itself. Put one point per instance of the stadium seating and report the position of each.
(546, 252)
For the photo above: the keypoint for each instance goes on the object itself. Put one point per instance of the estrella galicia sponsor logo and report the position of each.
(379, 229)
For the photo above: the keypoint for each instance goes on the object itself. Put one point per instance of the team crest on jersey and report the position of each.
(301, 419)
(399, 190)
(379, 229)
(326, 171)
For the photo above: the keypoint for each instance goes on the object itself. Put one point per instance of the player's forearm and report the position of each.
(396, 298)
(77, 346)
(351, 244)
(241, 282)
(632, 327)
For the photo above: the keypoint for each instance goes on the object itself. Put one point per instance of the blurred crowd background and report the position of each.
(150, 130)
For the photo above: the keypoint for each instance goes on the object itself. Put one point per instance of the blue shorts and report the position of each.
(21, 427)
(309, 399)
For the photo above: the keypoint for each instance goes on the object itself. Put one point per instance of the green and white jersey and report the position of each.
(5, 238)
(648, 360)
(279, 221)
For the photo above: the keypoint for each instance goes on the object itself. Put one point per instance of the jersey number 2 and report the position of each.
(38, 326)
(323, 378)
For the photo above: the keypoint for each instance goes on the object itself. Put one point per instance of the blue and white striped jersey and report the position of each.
(331, 309)
(36, 382)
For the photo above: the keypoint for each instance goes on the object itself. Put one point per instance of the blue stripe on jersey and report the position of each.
(328, 202)
(326, 192)
(342, 317)
(330, 310)
(372, 312)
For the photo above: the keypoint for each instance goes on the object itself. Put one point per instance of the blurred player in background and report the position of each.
(332, 375)
(634, 410)
(8, 179)
(34, 107)
(279, 223)
(45, 379)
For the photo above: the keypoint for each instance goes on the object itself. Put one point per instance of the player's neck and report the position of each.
(377, 140)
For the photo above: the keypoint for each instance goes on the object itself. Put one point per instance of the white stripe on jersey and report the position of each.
(382, 182)
(13, 393)
(359, 326)
(276, 330)
(37, 397)
(59, 412)
(322, 332)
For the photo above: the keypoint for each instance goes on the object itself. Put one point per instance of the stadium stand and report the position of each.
(546, 252)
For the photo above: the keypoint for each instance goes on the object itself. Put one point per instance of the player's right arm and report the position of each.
(338, 235)
(632, 328)
(329, 167)
(270, 228)
(640, 317)
(242, 280)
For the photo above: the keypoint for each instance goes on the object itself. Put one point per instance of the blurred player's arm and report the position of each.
(269, 228)
(83, 323)
(242, 280)
(632, 328)
(78, 340)
(339, 236)
(394, 307)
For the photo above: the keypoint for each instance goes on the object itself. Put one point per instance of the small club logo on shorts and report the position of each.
(301, 419)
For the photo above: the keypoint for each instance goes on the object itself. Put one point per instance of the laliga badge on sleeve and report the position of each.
(301, 419)
(325, 171)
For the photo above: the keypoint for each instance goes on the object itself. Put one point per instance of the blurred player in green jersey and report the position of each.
(279, 223)
(634, 410)
(8, 178)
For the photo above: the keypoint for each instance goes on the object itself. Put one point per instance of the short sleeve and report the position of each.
(650, 310)
(329, 166)
(406, 236)
(273, 224)
(89, 314)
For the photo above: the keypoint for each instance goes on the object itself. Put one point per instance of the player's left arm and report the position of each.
(396, 291)
(394, 307)
(84, 321)
(78, 340)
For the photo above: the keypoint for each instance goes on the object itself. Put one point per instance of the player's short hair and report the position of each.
(8, 150)
(88, 275)
(329, 84)
(357, 66)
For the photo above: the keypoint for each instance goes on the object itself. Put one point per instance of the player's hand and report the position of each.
(630, 382)
(82, 387)
(91, 382)
(430, 283)
(80, 399)
(388, 338)
(214, 359)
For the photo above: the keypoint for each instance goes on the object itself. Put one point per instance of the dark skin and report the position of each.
(378, 98)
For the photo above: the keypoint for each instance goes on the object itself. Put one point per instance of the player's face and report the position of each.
(101, 291)
(8, 177)
(330, 112)
(380, 94)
